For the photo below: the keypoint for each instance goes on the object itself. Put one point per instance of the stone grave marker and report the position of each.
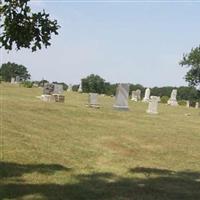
(121, 98)
(172, 101)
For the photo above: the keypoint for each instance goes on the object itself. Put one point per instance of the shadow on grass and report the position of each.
(9, 169)
(156, 184)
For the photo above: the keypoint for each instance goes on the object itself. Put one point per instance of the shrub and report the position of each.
(164, 99)
(182, 103)
(27, 84)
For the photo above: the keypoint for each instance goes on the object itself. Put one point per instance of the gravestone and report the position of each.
(58, 89)
(197, 105)
(172, 101)
(187, 104)
(153, 105)
(147, 95)
(121, 98)
(80, 88)
(138, 92)
(93, 100)
(69, 89)
(48, 89)
(12, 80)
(156, 97)
(134, 96)
(17, 79)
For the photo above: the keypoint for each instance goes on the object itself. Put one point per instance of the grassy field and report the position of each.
(70, 152)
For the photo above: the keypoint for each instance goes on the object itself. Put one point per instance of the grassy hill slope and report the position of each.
(68, 151)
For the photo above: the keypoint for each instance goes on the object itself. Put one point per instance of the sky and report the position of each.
(122, 41)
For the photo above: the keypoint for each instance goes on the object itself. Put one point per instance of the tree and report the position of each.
(93, 83)
(23, 28)
(192, 60)
(9, 70)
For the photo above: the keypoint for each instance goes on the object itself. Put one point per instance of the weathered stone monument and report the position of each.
(147, 95)
(172, 101)
(58, 89)
(121, 98)
(80, 88)
(69, 89)
(48, 89)
(52, 93)
(93, 100)
(197, 105)
(58, 93)
(136, 95)
(153, 105)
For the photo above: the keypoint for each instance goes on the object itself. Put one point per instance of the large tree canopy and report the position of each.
(192, 60)
(93, 83)
(23, 28)
(9, 70)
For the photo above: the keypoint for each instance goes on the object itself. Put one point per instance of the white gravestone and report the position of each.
(147, 95)
(80, 88)
(47, 98)
(121, 98)
(156, 97)
(187, 104)
(69, 89)
(197, 105)
(172, 101)
(134, 96)
(93, 100)
(12, 80)
(153, 105)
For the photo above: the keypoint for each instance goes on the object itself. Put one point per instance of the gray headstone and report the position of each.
(93, 100)
(153, 105)
(172, 101)
(58, 89)
(121, 98)
(138, 92)
(17, 79)
(147, 95)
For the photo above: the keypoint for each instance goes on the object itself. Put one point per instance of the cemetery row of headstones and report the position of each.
(54, 92)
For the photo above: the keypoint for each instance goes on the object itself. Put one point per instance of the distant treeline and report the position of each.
(96, 84)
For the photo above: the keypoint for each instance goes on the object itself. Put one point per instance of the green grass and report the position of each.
(68, 151)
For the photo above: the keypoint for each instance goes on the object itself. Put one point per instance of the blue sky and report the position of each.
(120, 41)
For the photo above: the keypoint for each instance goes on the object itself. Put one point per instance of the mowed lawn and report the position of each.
(69, 151)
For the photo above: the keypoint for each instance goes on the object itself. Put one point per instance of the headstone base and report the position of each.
(93, 105)
(59, 98)
(172, 103)
(47, 98)
(123, 108)
(146, 100)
